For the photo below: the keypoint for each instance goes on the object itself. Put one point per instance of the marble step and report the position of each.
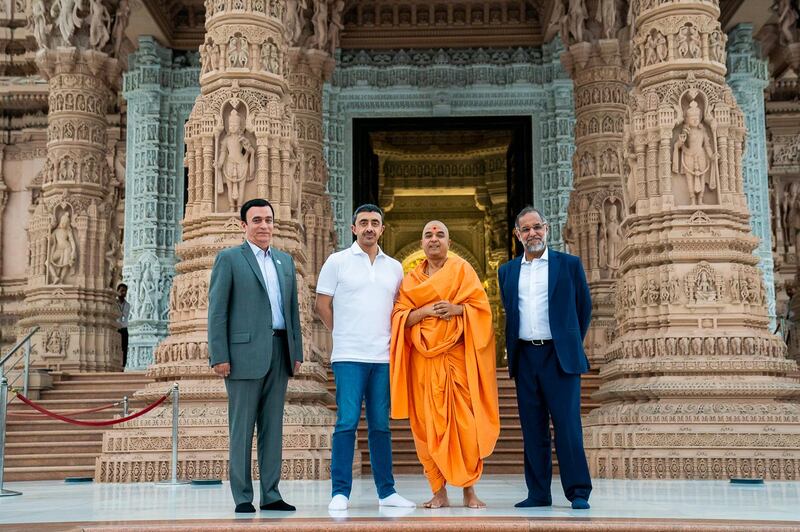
(58, 447)
(51, 459)
(80, 434)
(58, 472)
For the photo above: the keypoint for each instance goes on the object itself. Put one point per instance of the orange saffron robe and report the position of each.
(443, 374)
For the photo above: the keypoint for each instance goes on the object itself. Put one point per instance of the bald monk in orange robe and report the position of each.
(443, 368)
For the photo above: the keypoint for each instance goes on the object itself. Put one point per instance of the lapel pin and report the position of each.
(276, 260)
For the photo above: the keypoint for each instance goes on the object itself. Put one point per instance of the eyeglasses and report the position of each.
(527, 229)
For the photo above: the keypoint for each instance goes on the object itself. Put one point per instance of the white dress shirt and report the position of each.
(270, 275)
(534, 321)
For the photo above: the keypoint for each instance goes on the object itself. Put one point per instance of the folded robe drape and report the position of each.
(443, 374)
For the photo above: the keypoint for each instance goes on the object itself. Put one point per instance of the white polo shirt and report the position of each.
(363, 297)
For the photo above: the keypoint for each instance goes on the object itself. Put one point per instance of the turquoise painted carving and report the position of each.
(160, 88)
(454, 82)
(748, 76)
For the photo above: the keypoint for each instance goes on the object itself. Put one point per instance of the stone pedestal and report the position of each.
(695, 386)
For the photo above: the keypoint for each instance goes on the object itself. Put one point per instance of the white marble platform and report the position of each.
(57, 502)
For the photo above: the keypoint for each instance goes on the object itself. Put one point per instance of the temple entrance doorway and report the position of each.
(473, 174)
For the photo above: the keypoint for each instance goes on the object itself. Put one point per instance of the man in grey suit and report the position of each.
(255, 344)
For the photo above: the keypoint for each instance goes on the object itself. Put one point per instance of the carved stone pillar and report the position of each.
(552, 191)
(748, 76)
(308, 70)
(160, 94)
(597, 204)
(695, 386)
(72, 233)
(243, 112)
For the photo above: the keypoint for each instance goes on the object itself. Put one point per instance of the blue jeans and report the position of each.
(357, 382)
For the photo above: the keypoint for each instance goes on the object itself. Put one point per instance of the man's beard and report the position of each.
(535, 247)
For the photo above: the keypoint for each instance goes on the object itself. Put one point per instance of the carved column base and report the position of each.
(713, 440)
(140, 451)
(78, 331)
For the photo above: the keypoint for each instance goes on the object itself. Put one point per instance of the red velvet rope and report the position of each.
(91, 423)
(37, 415)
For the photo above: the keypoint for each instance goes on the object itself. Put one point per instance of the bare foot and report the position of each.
(471, 500)
(439, 500)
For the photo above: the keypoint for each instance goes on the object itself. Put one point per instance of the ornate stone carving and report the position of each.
(75, 195)
(62, 250)
(236, 160)
(694, 154)
(688, 278)
(240, 138)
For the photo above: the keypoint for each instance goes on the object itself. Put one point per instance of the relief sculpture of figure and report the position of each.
(787, 18)
(147, 290)
(558, 22)
(120, 24)
(607, 16)
(235, 162)
(66, 14)
(577, 19)
(98, 24)
(62, 249)
(38, 21)
(319, 39)
(613, 237)
(293, 20)
(694, 155)
(336, 26)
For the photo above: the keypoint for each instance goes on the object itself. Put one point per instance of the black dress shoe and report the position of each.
(245, 508)
(279, 506)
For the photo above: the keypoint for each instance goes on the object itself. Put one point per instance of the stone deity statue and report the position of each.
(787, 20)
(607, 17)
(577, 19)
(613, 237)
(235, 161)
(38, 22)
(99, 21)
(62, 250)
(558, 24)
(694, 155)
(112, 251)
(65, 13)
(120, 24)
(147, 293)
(336, 26)
(293, 20)
(319, 21)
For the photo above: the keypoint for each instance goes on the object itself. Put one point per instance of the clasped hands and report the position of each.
(444, 309)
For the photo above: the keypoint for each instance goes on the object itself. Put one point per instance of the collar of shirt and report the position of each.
(257, 250)
(543, 257)
(356, 250)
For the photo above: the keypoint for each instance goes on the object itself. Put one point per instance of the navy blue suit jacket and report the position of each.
(569, 309)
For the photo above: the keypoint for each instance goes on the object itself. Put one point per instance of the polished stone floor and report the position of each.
(57, 502)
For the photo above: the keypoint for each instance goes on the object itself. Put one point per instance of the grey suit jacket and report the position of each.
(240, 316)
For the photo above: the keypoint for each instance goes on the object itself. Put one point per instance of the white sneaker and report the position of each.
(338, 503)
(396, 500)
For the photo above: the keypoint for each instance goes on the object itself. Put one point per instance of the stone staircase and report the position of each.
(41, 448)
(507, 456)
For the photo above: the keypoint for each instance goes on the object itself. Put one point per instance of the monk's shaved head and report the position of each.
(434, 226)
(435, 240)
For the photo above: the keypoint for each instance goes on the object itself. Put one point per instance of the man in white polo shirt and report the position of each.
(356, 290)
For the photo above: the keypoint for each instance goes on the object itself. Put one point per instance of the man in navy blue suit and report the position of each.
(548, 309)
